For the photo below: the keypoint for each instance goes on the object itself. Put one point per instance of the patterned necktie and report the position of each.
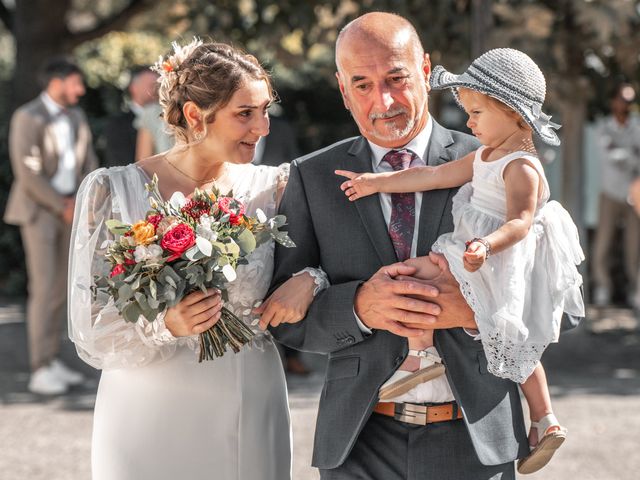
(403, 206)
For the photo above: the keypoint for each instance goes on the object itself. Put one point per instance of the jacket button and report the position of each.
(350, 339)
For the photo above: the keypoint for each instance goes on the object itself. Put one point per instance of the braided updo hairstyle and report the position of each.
(207, 74)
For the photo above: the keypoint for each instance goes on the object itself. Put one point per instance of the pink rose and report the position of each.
(233, 207)
(117, 270)
(178, 240)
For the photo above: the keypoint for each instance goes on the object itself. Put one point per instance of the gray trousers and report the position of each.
(391, 450)
(613, 212)
(46, 247)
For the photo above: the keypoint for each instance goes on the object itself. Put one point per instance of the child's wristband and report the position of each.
(486, 244)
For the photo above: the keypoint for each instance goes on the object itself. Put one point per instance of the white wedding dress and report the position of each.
(159, 414)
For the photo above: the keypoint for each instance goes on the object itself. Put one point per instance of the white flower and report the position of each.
(203, 229)
(229, 273)
(140, 254)
(178, 200)
(261, 216)
(155, 252)
(204, 245)
(143, 253)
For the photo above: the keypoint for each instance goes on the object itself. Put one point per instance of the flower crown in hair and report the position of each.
(168, 67)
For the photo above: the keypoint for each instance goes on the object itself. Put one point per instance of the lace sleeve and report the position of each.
(102, 337)
(319, 276)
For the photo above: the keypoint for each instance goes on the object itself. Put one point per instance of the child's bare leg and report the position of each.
(536, 391)
(425, 271)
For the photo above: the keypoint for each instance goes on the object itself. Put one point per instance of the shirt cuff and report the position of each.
(472, 332)
(363, 328)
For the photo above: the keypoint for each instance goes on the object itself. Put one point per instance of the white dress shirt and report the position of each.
(438, 389)
(64, 180)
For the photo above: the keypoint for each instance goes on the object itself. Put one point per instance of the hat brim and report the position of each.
(442, 79)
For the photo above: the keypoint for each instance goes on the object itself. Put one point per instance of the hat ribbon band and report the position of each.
(542, 120)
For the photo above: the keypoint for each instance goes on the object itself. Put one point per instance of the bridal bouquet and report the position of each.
(180, 246)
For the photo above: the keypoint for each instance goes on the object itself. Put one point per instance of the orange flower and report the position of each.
(143, 232)
(167, 67)
(247, 223)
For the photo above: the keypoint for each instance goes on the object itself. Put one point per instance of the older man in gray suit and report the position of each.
(467, 424)
(51, 152)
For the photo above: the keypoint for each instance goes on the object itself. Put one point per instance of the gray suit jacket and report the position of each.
(350, 242)
(34, 161)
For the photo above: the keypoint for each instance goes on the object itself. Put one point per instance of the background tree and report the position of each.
(43, 28)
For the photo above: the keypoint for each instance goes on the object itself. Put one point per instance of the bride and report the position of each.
(159, 414)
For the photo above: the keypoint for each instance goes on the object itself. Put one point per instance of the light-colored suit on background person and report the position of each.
(39, 158)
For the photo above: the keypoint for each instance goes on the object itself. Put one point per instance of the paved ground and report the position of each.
(594, 377)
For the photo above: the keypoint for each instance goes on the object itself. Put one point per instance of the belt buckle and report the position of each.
(410, 413)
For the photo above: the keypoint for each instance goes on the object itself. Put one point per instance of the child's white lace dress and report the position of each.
(518, 295)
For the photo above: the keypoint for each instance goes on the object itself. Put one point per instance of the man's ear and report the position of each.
(342, 92)
(426, 69)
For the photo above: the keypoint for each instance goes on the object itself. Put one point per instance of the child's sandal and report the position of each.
(548, 443)
(402, 381)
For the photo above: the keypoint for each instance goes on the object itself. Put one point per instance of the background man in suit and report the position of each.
(121, 131)
(51, 152)
(467, 424)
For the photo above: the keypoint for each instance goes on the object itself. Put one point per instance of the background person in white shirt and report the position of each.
(618, 138)
(51, 152)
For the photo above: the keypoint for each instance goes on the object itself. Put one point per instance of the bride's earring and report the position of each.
(198, 136)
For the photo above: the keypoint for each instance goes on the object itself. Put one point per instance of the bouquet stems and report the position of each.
(228, 331)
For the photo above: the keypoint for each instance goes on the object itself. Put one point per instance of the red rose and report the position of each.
(155, 220)
(117, 270)
(178, 240)
(234, 208)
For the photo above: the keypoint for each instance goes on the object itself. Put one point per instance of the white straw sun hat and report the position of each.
(511, 77)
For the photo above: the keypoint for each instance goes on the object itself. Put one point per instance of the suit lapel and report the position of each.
(369, 209)
(434, 202)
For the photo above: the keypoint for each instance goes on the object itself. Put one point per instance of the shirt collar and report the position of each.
(136, 108)
(417, 145)
(53, 107)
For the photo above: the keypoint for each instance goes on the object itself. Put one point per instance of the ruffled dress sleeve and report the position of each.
(102, 337)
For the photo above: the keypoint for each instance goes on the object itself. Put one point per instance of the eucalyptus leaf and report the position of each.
(279, 221)
(125, 292)
(153, 289)
(132, 312)
(117, 227)
(170, 281)
(246, 241)
(204, 246)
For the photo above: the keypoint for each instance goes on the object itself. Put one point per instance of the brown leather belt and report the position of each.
(419, 414)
